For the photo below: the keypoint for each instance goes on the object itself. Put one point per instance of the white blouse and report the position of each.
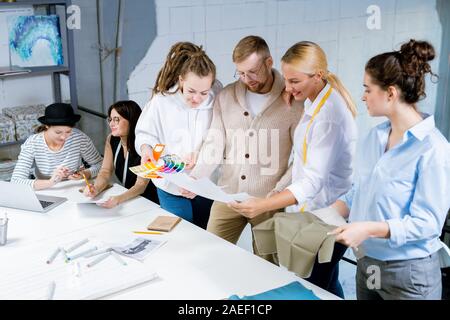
(331, 141)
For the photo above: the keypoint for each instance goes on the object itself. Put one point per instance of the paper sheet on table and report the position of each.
(89, 200)
(80, 198)
(74, 280)
(204, 188)
(83, 200)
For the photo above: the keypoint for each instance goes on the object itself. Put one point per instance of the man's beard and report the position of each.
(261, 84)
(256, 89)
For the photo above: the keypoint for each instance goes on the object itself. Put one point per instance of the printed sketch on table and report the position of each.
(139, 249)
(35, 41)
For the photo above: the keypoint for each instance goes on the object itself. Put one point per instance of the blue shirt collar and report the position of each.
(419, 131)
(424, 127)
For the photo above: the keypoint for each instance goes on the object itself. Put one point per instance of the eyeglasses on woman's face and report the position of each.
(115, 120)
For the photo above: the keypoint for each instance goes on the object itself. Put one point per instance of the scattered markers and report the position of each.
(81, 254)
(63, 252)
(77, 245)
(53, 256)
(51, 290)
(77, 270)
(118, 258)
(98, 260)
(96, 253)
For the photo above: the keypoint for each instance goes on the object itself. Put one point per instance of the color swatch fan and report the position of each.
(167, 164)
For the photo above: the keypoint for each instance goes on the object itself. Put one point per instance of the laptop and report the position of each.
(22, 196)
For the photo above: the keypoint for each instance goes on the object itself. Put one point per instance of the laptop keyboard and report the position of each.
(45, 204)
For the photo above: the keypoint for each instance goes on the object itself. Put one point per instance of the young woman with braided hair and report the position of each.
(178, 116)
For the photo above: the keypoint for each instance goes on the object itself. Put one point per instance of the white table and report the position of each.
(193, 264)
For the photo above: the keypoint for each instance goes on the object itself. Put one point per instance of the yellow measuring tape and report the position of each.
(305, 144)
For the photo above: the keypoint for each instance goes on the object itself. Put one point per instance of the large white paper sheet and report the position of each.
(204, 187)
(72, 281)
(80, 198)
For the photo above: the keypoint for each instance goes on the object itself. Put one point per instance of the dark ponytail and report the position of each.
(405, 69)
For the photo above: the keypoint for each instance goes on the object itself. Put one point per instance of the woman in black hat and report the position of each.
(120, 155)
(55, 152)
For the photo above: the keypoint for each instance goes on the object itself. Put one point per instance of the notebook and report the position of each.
(164, 223)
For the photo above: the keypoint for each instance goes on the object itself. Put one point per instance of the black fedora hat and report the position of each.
(59, 114)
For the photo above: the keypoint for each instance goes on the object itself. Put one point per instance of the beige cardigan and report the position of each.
(254, 152)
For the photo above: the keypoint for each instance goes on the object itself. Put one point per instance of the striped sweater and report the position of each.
(37, 159)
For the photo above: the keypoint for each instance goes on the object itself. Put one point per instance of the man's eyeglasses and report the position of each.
(253, 75)
(116, 120)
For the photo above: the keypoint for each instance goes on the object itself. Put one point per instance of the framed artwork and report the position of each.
(35, 41)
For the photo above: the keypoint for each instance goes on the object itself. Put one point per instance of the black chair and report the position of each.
(445, 237)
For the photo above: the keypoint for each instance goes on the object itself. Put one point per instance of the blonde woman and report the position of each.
(178, 116)
(324, 144)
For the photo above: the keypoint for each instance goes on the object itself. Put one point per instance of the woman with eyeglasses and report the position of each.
(56, 152)
(179, 116)
(324, 145)
(120, 155)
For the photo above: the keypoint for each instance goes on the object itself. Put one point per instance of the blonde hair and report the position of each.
(183, 57)
(309, 58)
(249, 45)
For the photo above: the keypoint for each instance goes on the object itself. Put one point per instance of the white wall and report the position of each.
(339, 26)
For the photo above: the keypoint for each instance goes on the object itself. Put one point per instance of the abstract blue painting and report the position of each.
(35, 41)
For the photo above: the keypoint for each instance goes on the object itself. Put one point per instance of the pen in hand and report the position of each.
(87, 182)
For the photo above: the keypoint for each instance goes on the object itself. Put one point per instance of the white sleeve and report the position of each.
(326, 138)
(148, 126)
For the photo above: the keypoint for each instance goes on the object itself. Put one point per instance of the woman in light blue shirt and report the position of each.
(400, 197)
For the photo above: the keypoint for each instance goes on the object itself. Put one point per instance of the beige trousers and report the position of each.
(229, 224)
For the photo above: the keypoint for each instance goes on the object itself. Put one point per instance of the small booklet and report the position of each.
(164, 223)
